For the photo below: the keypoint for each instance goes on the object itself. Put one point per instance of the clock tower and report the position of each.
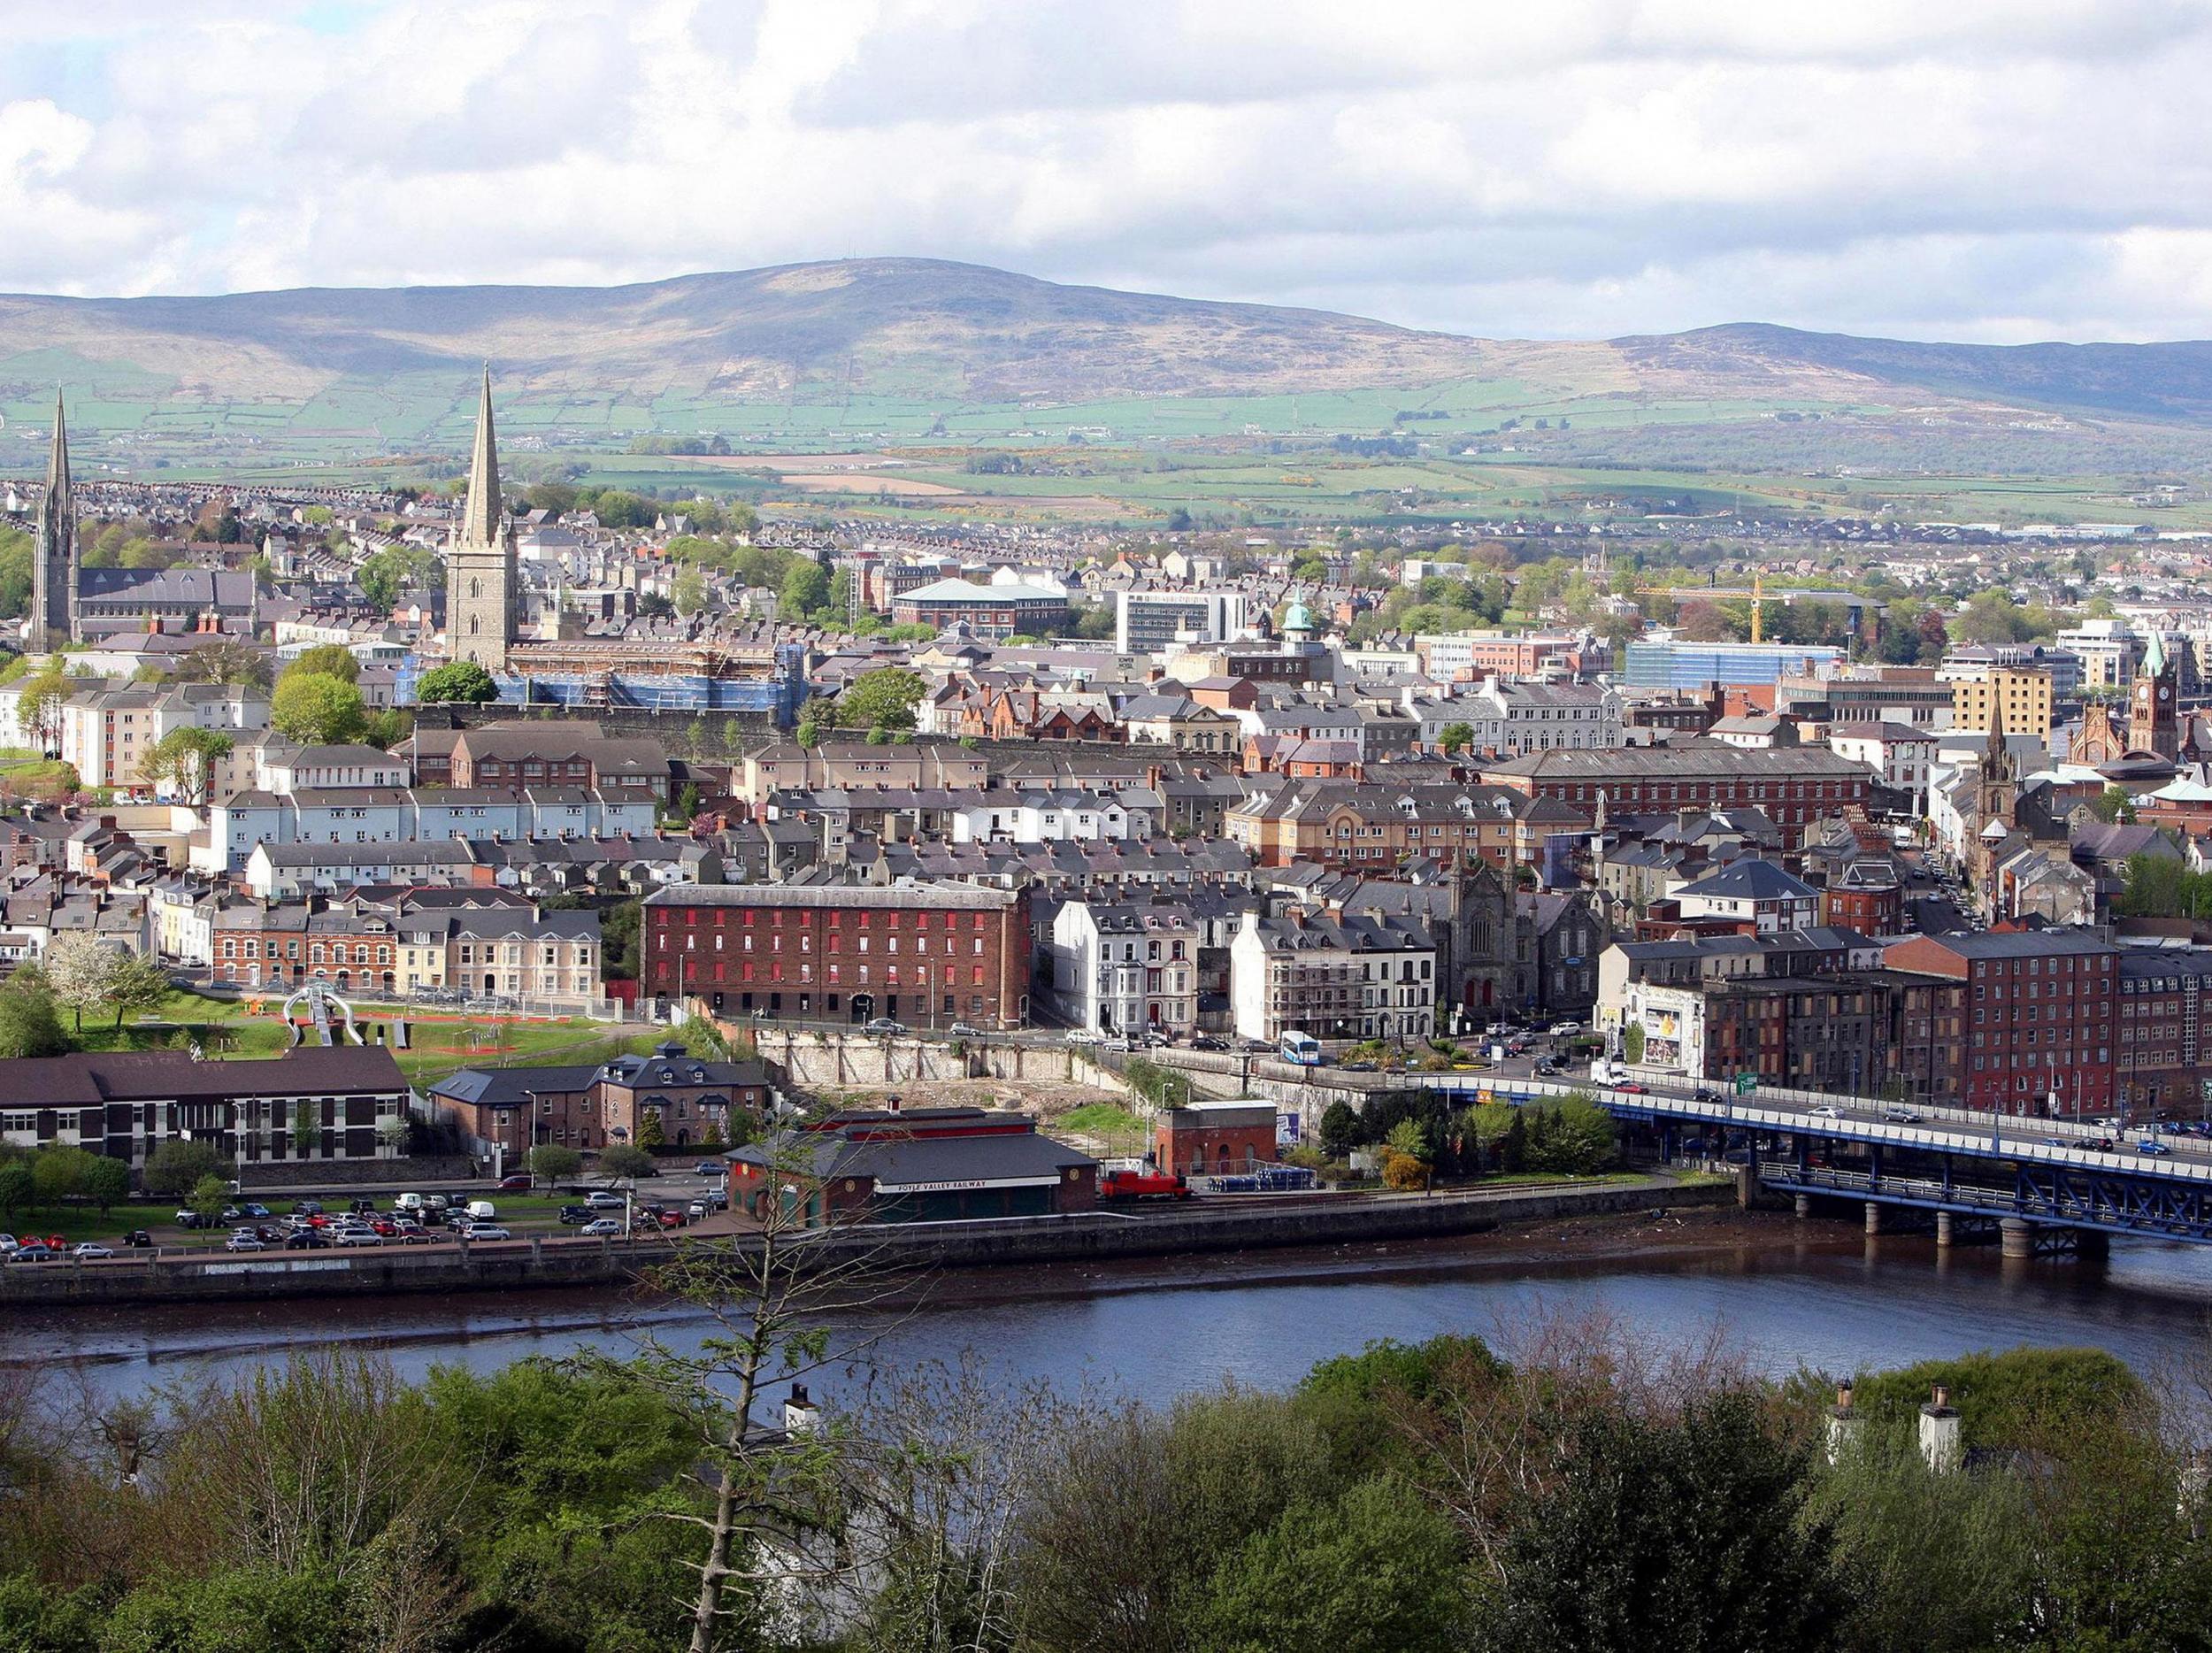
(2154, 715)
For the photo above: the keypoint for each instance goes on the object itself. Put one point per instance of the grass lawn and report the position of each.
(1120, 1131)
(440, 1042)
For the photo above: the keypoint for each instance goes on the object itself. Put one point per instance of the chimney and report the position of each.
(801, 1416)
(1939, 1442)
(1843, 1425)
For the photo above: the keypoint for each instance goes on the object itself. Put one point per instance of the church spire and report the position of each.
(480, 520)
(54, 551)
(2154, 657)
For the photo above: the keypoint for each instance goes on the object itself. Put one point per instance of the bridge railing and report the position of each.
(2049, 1125)
(1988, 1139)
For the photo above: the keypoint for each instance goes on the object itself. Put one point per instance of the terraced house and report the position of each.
(1366, 828)
(1342, 977)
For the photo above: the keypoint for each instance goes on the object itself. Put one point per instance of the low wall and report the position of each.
(259, 1176)
(523, 1264)
(830, 1061)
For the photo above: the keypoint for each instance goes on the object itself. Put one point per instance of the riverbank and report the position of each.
(1198, 1230)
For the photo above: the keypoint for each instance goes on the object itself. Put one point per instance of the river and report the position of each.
(1782, 1295)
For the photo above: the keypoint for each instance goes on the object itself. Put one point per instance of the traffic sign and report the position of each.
(1746, 1083)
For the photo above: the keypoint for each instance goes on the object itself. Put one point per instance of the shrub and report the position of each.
(1403, 1172)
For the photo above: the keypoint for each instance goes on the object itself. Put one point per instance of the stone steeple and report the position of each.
(479, 586)
(53, 620)
(2154, 703)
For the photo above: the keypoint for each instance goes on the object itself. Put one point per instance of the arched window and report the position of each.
(476, 587)
(475, 625)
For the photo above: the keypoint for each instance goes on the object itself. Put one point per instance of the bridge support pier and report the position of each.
(1873, 1218)
(2089, 1243)
(2016, 1238)
(1943, 1228)
(1804, 1205)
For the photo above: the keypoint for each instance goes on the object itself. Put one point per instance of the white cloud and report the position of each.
(1981, 169)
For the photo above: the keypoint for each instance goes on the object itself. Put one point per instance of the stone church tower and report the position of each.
(2154, 720)
(53, 620)
(479, 575)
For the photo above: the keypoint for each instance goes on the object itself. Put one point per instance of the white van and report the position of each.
(408, 1202)
(480, 1211)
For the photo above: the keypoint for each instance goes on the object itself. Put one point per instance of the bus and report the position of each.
(1303, 1049)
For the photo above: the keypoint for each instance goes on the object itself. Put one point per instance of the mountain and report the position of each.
(887, 347)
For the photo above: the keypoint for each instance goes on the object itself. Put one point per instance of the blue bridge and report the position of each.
(2036, 1179)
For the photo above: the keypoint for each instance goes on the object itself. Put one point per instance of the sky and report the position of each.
(1990, 170)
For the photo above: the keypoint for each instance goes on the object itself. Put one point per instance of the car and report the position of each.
(1900, 1116)
(485, 1231)
(698, 1209)
(307, 1240)
(137, 1240)
(1633, 1088)
(2102, 1144)
(674, 1220)
(522, 1180)
(356, 1236)
(1546, 1068)
(1153, 1039)
(961, 1030)
(361, 1208)
(308, 1208)
(1826, 1110)
(2056, 1141)
(2152, 1145)
(191, 1219)
(604, 1200)
(242, 1241)
(571, 1215)
(231, 1214)
(7, 1243)
(1207, 1041)
(711, 1168)
(883, 1027)
(435, 1202)
(599, 1226)
(1566, 1030)
(410, 1234)
(384, 1226)
(34, 1251)
(1084, 1036)
(255, 1209)
(90, 1249)
(1705, 1093)
(1356, 1067)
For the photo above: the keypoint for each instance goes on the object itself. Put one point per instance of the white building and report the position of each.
(1050, 817)
(1900, 754)
(1513, 718)
(1343, 977)
(1119, 967)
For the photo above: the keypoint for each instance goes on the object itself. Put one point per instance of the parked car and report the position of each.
(86, 1248)
(674, 1220)
(308, 1208)
(485, 1231)
(1566, 1030)
(711, 1168)
(255, 1209)
(307, 1240)
(1207, 1041)
(356, 1236)
(34, 1251)
(362, 1208)
(243, 1240)
(7, 1244)
(410, 1233)
(698, 1209)
(525, 1180)
(884, 1027)
(571, 1215)
(191, 1219)
(384, 1226)
(961, 1030)
(599, 1226)
(604, 1200)
(137, 1240)
(1084, 1036)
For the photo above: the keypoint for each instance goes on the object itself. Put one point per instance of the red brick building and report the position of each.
(1793, 786)
(921, 1164)
(1215, 1138)
(924, 955)
(2041, 1011)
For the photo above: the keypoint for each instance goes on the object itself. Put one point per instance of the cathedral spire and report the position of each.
(480, 520)
(54, 550)
(2154, 657)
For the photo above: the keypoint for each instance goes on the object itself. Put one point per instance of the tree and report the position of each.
(885, 698)
(28, 1026)
(316, 711)
(690, 591)
(805, 592)
(81, 972)
(324, 659)
(1340, 1129)
(650, 1133)
(389, 574)
(139, 983)
(1633, 1043)
(230, 661)
(38, 706)
(1671, 1534)
(58, 1174)
(307, 1129)
(1703, 622)
(208, 1197)
(1455, 737)
(554, 1162)
(17, 1188)
(687, 800)
(808, 733)
(623, 1161)
(178, 1166)
(714, 1138)
(457, 682)
(2114, 804)
(107, 1182)
(1411, 1137)
(185, 759)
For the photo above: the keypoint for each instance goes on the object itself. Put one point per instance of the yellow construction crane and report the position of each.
(1683, 594)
